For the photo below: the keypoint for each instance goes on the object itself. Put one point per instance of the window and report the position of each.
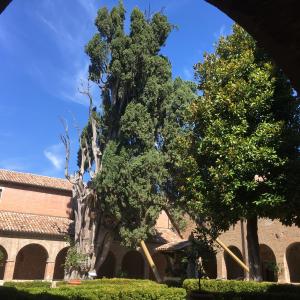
(1, 191)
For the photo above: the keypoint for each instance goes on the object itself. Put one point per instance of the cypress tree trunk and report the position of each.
(253, 249)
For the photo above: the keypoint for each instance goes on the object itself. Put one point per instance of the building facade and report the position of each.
(35, 218)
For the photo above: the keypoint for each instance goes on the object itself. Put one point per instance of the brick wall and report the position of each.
(35, 200)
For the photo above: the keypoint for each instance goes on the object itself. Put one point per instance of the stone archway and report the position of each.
(133, 265)
(161, 264)
(293, 261)
(59, 270)
(108, 267)
(210, 266)
(31, 262)
(3, 259)
(234, 270)
(268, 263)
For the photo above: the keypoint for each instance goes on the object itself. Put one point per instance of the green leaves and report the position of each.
(237, 135)
(136, 141)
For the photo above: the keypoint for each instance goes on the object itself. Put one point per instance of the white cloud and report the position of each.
(55, 155)
(72, 85)
(188, 74)
(221, 33)
(89, 6)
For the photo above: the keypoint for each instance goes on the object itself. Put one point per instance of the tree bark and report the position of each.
(253, 250)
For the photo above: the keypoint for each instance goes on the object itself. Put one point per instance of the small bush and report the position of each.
(244, 290)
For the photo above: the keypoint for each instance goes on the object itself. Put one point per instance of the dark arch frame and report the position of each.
(274, 24)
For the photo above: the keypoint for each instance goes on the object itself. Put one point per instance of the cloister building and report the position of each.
(35, 218)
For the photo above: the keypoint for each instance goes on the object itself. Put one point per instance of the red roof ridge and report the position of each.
(34, 180)
(32, 214)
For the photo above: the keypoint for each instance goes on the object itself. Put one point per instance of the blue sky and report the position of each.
(43, 62)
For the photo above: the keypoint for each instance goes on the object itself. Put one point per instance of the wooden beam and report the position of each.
(150, 261)
(241, 263)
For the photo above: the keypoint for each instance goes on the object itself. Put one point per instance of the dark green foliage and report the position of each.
(244, 290)
(141, 112)
(241, 157)
(114, 289)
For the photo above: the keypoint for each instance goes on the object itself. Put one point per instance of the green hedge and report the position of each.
(28, 284)
(244, 290)
(105, 290)
(114, 281)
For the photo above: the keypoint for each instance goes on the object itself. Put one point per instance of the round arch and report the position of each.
(268, 263)
(293, 261)
(107, 269)
(59, 270)
(3, 259)
(161, 265)
(31, 262)
(133, 265)
(234, 270)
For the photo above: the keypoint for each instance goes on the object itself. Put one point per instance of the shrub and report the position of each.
(244, 290)
(113, 281)
(107, 289)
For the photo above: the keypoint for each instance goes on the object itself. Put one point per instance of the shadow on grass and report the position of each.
(252, 296)
(10, 293)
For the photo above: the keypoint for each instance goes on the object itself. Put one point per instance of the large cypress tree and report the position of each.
(124, 145)
(240, 158)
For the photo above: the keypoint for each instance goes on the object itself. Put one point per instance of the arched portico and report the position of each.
(133, 265)
(59, 272)
(268, 263)
(31, 262)
(3, 258)
(293, 261)
(234, 270)
(108, 267)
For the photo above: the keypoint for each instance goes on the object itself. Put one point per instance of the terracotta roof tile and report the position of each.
(166, 235)
(173, 246)
(35, 180)
(37, 224)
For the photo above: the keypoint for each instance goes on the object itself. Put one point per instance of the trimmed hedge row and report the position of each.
(112, 290)
(113, 281)
(245, 290)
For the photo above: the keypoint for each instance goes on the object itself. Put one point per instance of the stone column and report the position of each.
(49, 270)
(283, 276)
(9, 269)
(221, 268)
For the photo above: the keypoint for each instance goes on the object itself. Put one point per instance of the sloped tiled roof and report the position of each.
(33, 224)
(35, 180)
(166, 235)
(173, 246)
